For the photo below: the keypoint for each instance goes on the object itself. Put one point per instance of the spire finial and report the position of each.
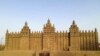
(7, 31)
(48, 20)
(26, 23)
(95, 29)
(73, 22)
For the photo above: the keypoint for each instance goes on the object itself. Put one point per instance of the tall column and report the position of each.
(24, 37)
(74, 37)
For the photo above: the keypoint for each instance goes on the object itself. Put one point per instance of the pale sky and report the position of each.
(14, 13)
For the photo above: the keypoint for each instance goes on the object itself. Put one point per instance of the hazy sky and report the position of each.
(14, 13)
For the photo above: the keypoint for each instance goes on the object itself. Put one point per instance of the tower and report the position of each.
(48, 36)
(6, 44)
(24, 37)
(74, 37)
(96, 39)
(48, 28)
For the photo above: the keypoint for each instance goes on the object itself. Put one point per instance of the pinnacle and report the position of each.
(48, 21)
(7, 31)
(73, 22)
(95, 29)
(26, 24)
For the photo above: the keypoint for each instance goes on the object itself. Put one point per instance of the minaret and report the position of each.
(74, 37)
(73, 27)
(48, 36)
(24, 40)
(6, 43)
(48, 28)
(25, 29)
(96, 39)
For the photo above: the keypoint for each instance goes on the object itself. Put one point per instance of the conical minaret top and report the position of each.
(48, 24)
(73, 27)
(48, 21)
(48, 27)
(73, 22)
(7, 31)
(26, 24)
(25, 28)
(95, 29)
